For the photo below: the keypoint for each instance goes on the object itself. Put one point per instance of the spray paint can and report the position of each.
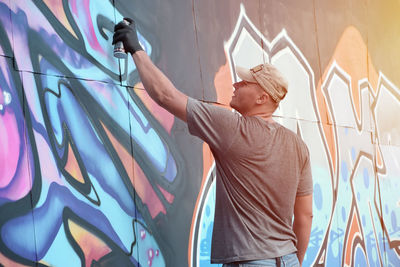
(119, 50)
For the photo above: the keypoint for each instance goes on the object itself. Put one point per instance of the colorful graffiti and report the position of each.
(349, 154)
(94, 173)
(90, 167)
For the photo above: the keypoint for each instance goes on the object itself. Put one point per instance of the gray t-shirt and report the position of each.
(261, 168)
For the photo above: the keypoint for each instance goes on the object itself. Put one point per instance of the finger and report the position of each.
(131, 21)
(124, 31)
(118, 37)
(119, 26)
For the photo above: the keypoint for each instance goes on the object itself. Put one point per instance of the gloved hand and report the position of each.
(127, 35)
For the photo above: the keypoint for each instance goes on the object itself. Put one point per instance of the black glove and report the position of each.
(127, 35)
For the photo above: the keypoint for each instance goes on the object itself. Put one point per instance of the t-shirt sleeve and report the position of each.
(215, 125)
(306, 183)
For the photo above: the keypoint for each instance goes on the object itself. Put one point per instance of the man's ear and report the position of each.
(263, 98)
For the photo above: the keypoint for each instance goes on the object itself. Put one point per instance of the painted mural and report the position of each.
(94, 173)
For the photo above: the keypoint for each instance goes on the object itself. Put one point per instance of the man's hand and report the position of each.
(127, 35)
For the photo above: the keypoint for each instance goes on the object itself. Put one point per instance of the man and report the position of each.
(263, 169)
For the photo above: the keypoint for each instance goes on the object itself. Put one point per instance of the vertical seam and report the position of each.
(317, 42)
(31, 175)
(262, 31)
(128, 96)
(197, 47)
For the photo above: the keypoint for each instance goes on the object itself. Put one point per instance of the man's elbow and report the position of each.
(308, 216)
(304, 218)
(164, 100)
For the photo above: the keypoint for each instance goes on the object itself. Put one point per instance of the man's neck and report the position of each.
(267, 118)
(263, 115)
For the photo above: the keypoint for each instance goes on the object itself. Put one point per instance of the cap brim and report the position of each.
(245, 74)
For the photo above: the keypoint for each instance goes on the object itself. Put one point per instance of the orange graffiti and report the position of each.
(72, 166)
(351, 54)
(92, 246)
(138, 179)
(165, 118)
(146, 192)
(379, 160)
(56, 7)
(7, 262)
(223, 84)
(354, 232)
(168, 196)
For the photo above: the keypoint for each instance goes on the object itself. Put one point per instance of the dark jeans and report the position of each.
(289, 260)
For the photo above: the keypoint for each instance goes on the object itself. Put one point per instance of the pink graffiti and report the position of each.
(83, 14)
(142, 234)
(14, 170)
(150, 255)
(150, 252)
(10, 144)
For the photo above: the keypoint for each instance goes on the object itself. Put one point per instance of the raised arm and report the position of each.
(302, 224)
(157, 85)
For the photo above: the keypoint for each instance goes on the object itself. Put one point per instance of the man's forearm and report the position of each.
(159, 87)
(302, 229)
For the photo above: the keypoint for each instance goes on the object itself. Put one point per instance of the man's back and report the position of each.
(261, 168)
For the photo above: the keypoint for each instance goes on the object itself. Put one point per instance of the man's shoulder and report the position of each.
(206, 103)
(293, 135)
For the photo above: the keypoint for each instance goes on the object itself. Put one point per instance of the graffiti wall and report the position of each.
(94, 173)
